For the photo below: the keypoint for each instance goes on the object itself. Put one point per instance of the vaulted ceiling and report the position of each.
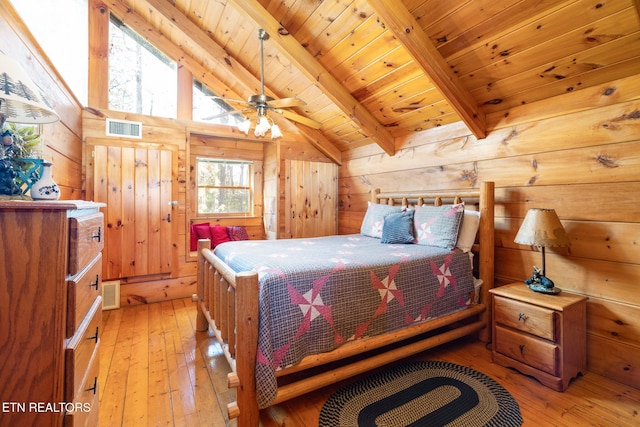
(376, 71)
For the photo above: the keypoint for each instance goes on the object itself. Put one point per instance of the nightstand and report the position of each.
(540, 335)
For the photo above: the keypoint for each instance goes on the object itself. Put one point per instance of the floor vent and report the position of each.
(111, 295)
(124, 128)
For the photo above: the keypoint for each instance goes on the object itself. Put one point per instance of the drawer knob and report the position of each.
(95, 284)
(521, 350)
(522, 317)
(94, 389)
(99, 235)
(94, 337)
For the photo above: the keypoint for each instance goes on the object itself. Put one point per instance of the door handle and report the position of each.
(168, 217)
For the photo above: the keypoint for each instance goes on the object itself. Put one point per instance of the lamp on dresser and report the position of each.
(542, 227)
(22, 101)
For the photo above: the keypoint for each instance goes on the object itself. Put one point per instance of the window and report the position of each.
(142, 79)
(224, 186)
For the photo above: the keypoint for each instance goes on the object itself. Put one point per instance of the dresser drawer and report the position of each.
(525, 317)
(540, 354)
(80, 349)
(82, 291)
(86, 402)
(86, 240)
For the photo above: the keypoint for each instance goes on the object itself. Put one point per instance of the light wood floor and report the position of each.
(155, 370)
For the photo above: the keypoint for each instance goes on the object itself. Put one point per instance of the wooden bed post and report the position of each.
(247, 297)
(201, 321)
(487, 249)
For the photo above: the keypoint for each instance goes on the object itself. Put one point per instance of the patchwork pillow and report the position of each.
(219, 235)
(374, 218)
(438, 225)
(398, 228)
(237, 232)
(468, 230)
(199, 231)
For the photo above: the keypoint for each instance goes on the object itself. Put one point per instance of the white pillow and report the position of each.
(468, 230)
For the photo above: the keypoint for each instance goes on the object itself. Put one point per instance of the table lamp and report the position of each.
(21, 101)
(542, 227)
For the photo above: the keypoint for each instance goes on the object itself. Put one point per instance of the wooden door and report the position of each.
(135, 181)
(312, 196)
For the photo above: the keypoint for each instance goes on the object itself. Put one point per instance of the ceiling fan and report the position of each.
(262, 103)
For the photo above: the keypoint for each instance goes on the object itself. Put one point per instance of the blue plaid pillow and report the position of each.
(398, 228)
(374, 218)
(438, 226)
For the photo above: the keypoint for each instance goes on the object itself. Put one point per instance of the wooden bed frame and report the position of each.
(228, 303)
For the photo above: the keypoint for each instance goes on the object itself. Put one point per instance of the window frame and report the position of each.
(251, 187)
(145, 93)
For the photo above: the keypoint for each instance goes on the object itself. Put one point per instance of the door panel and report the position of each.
(312, 193)
(136, 184)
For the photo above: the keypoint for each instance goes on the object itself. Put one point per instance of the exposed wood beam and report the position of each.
(406, 29)
(310, 66)
(231, 69)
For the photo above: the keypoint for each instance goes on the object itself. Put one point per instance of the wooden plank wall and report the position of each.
(578, 153)
(277, 191)
(63, 139)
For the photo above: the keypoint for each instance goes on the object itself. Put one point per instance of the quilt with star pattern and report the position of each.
(319, 293)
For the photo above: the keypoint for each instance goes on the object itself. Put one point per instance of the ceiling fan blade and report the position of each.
(286, 102)
(298, 118)
(240, 101)
(225, 114)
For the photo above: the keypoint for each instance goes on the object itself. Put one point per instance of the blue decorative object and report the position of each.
(28, 175)
(539, 283)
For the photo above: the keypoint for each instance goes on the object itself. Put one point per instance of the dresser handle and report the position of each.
(95, 337)
(522, 350)
(95, 386)
(522, 316)
(99, 235)
(95, 284)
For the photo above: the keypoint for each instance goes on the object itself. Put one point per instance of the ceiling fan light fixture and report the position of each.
(244, 126)
(262, 127)
(276, 132)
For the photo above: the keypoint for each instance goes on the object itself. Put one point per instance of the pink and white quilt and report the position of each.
(319, 293)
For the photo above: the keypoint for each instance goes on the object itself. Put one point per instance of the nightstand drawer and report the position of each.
(525, 317)
(86, 240)
(81, 349)
(540, 354)
(82, 291)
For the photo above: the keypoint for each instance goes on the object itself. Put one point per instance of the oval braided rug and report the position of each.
(430, 393)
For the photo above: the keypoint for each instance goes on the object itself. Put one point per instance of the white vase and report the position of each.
(45, 188)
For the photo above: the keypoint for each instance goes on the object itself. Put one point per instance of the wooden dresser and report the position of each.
(50, 312)
(540, 335)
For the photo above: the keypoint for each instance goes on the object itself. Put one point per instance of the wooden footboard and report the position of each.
(228, 304)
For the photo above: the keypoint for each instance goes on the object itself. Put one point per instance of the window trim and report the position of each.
(251, 187)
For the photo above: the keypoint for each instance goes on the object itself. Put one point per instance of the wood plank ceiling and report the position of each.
(376, 71)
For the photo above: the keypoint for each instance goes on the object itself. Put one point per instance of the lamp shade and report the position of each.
(21, 101)
(542, 227)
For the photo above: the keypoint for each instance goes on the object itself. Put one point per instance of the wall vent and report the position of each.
(124, 128)
(110, 295)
